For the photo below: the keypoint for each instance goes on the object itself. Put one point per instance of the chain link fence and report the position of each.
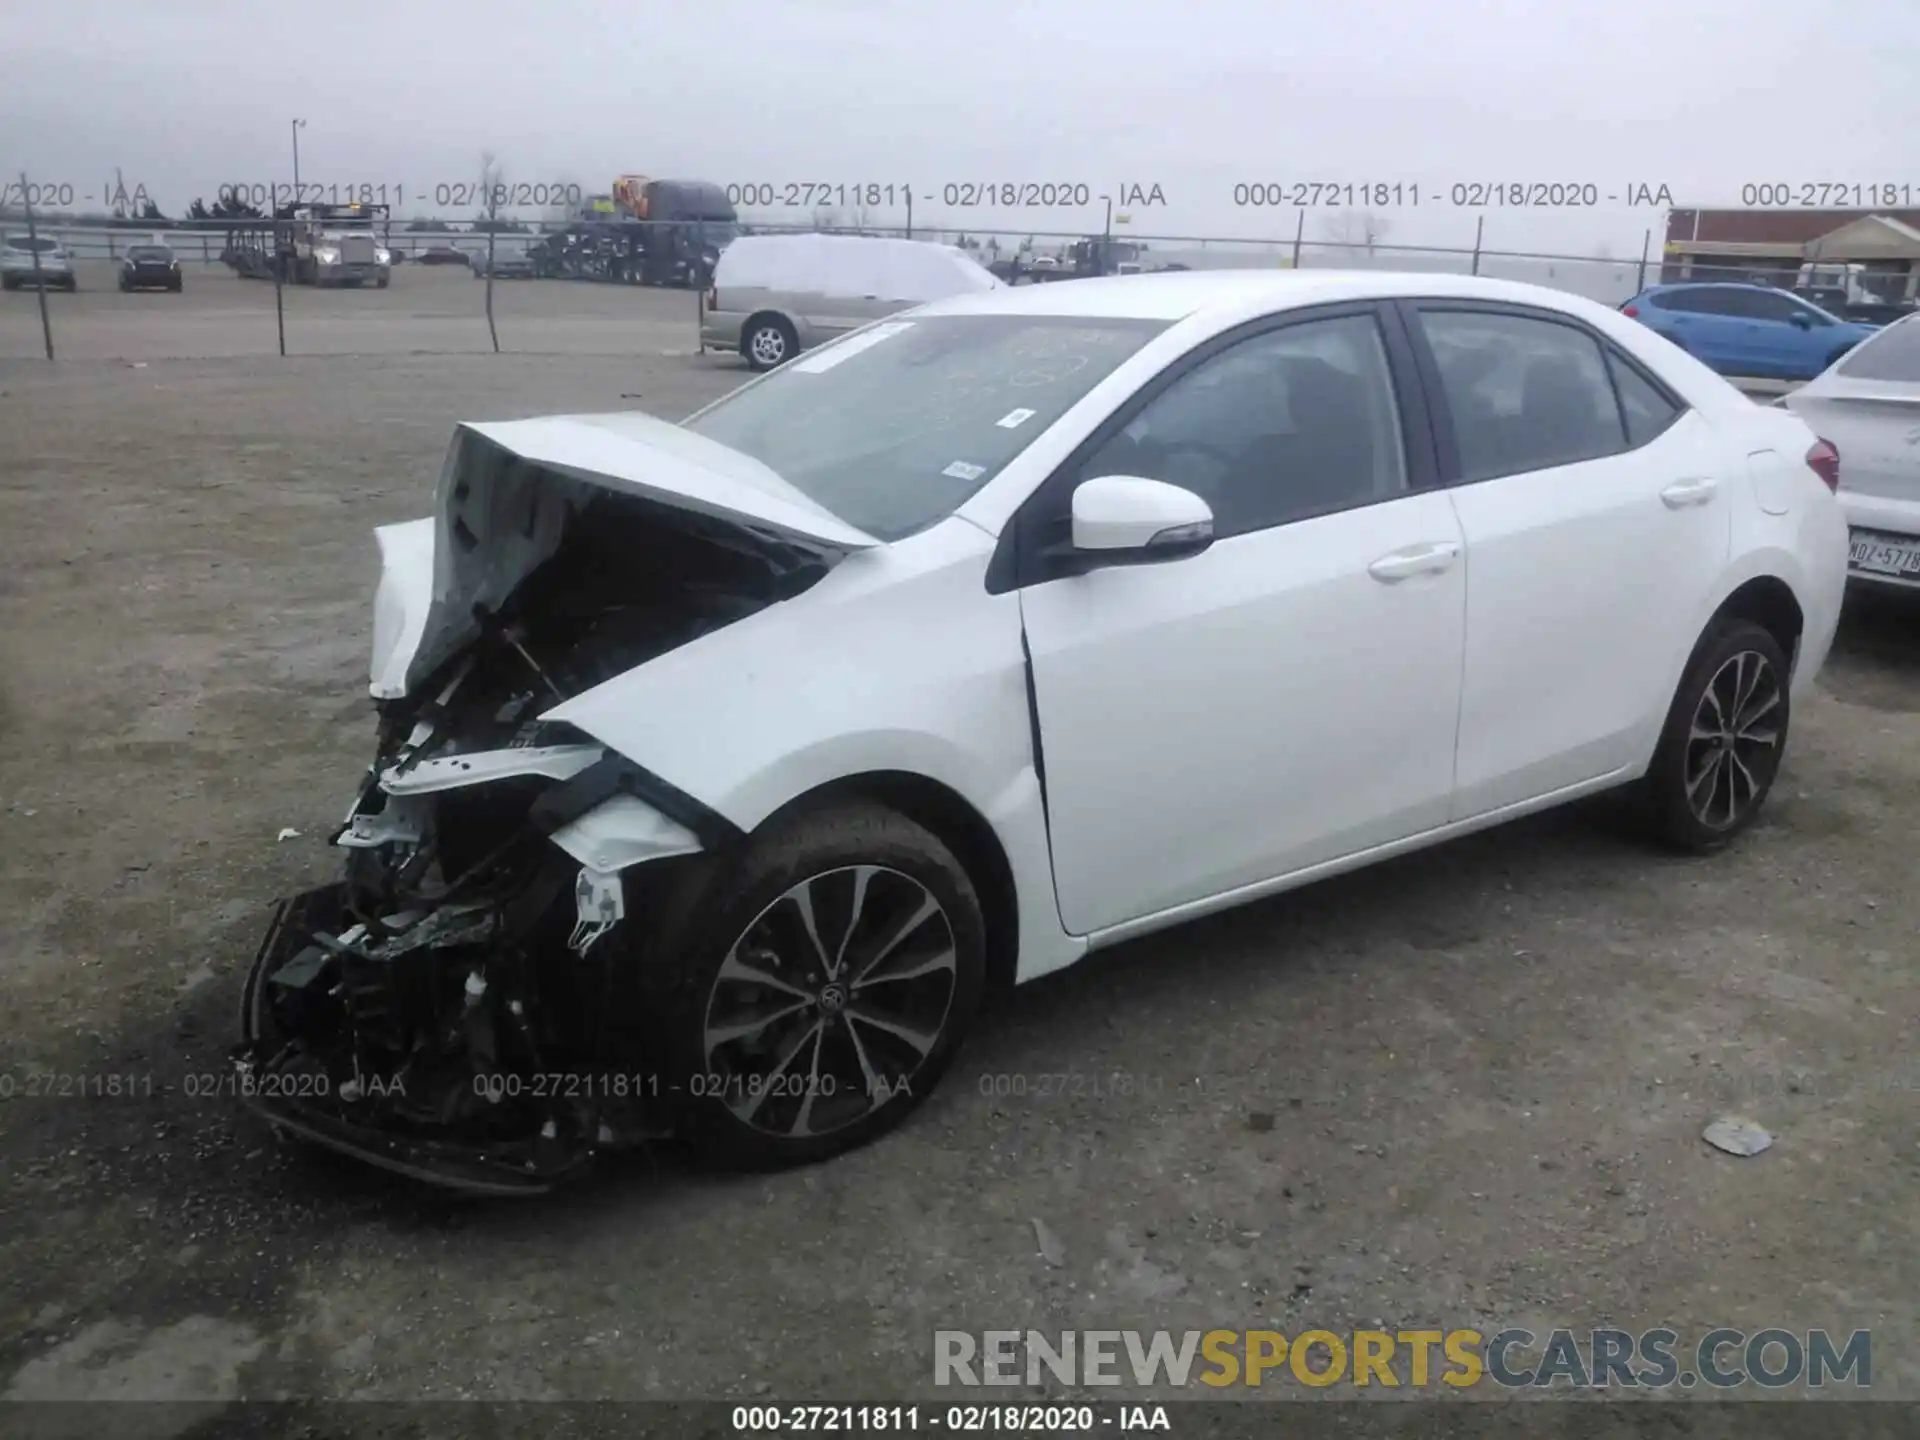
(610, 287)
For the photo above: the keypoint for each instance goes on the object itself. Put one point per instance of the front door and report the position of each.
(1286, 697)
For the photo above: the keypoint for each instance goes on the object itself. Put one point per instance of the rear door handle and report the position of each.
(1415, 560)
(1683, 493)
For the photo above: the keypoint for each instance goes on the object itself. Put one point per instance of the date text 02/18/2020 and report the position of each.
(1460, 195)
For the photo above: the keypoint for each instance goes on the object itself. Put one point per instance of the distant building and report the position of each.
(1770, 246)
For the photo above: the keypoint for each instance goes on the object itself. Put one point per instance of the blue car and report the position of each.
(1752, 331)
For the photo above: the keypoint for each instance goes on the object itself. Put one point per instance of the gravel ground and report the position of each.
(1465, 1088)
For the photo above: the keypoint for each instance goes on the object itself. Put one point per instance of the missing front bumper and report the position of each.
(300, 1068)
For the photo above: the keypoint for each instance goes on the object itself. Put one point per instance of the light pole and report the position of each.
(296, 158)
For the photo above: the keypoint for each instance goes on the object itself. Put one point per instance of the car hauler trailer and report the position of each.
(644, 232)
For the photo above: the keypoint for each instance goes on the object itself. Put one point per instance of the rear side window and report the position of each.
(1893, 354)
(1646, 409)
(1523, 393)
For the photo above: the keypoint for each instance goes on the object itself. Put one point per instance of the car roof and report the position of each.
(1178, 295)
(1715, 285)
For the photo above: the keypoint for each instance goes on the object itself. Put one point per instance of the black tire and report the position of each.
(746, 908)
(1699, 793)
(768, 341)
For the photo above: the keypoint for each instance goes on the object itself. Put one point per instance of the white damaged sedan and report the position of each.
(723, 768)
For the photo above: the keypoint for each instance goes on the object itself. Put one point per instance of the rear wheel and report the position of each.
(769, 341)
(1724, 738)
(806, 1001)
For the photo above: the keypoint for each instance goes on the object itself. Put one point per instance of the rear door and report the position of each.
(1596, 525)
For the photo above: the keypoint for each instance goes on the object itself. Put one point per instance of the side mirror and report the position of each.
(1802, 320)
(1126, 519)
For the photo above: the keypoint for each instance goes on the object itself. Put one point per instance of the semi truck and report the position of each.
(315, 244)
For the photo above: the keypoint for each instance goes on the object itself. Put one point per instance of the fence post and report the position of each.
(492, 229)
(39, 282)
(1299, 232)
(204, 260)
(1646, 244)
(1479, 229)
(279, 307)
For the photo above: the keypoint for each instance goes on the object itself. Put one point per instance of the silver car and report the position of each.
(18, 264)
(1867, 405)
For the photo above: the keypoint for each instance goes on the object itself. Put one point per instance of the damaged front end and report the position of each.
(453, 1007)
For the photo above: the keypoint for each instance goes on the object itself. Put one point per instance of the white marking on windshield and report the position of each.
(961, 470)
(1013, 419)
(826, 359)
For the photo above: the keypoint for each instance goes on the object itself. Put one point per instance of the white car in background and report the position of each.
(38, 261)
(1868, 405)
(723, 767)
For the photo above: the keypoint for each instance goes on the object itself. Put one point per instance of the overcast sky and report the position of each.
(1703, 97)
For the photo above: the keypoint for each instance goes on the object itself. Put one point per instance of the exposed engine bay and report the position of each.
(452, 1007)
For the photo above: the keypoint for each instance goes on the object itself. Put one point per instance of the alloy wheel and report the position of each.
(769, 345)
(1733, 744)
(829, 1002)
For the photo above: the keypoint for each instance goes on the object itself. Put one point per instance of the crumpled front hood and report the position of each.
(507, 494)
(646, 456)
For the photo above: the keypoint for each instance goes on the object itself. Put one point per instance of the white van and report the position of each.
(776, 295)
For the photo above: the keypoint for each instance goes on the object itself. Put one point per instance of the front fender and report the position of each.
(898, 660)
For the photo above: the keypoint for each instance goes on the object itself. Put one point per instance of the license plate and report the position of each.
(1885, 554)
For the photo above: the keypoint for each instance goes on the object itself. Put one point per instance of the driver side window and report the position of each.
(1294, 422)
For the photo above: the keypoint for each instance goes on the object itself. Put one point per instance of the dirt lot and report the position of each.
(1463, 1089)
(426, 310)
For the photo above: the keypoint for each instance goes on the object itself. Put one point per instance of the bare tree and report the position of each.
(1356, 233)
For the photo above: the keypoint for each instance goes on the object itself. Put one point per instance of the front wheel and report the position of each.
(1724, 738)
(807, 1000)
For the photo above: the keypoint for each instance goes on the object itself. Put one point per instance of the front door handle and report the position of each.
(1683, 493)
(1415, 560)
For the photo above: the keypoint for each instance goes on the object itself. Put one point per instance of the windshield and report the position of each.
(1893, 354)
(894, 426)
(149, 252)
